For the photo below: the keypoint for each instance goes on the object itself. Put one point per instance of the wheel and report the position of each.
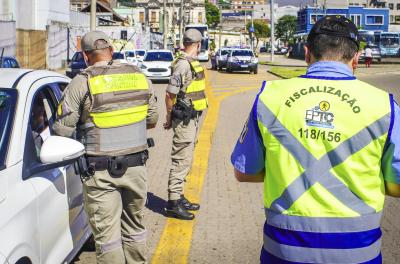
(255, 71)
(220, 68)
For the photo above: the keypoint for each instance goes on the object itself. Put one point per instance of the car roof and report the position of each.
(160, 50)
(10, 76)
(8, 57)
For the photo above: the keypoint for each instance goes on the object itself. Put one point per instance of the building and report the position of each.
(375, 19)
(105, 15)
(264, 12)
(246, 5)
(151, 13)
(79, 5)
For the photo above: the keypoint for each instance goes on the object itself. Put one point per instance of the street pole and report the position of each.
(272, 30)
(220, 36)
(252, 33)
(181, 11)
(245, 27)
(173, 24)
(165, 20)
(93, 15)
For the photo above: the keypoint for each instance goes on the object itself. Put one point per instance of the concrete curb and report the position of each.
(277, 75)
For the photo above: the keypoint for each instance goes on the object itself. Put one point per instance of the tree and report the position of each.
(213, 15)
(261, 29)
(286, 28)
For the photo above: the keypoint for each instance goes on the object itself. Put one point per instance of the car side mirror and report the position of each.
(57, 149)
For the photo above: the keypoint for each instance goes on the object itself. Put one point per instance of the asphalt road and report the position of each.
(228, 228)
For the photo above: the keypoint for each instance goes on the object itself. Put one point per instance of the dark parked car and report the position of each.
(76, 65)
(9, 62)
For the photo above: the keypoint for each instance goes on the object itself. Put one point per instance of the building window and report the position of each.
(397, 19)
(374, 20)
(200, 18)
(141, 17)
(356, 20)
(153, 17)
(391, 6)
(391, 19)
(315, 18)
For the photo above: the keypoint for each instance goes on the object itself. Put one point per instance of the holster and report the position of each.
(183, 112)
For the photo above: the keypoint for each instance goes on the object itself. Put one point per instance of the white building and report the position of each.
(264, 11)
(34, 14)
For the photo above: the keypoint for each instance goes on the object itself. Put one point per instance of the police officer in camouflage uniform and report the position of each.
(108, 108)
(185, 100)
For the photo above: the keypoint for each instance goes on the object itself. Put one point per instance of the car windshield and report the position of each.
(242, 53)
(78, 57)
(130, 54)
(140, 52)
(158, 56)
(118, 56)
(8, 100)
(389, 40)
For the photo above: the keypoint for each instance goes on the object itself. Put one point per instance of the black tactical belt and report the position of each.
(103, 163)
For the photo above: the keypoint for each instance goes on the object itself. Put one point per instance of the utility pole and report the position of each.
(181, 16)
(220, 36)
(165, 20)
(272, 30)
(173, 24)
(93, 15)
(252, 33)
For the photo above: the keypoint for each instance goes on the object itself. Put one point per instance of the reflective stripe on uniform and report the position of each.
(319, 170)
(323, 224)
(195, 90)
(322, 255)
(120, 117)
(117, 82)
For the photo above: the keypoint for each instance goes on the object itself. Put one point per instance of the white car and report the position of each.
(156, 64)
(140, 53)
(130, 57)
(41, 203)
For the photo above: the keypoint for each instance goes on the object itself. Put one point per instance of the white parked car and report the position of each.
(130, 57)
(156, 64)
(140, 53)
(41, 203)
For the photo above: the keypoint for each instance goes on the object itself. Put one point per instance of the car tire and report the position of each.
(255, 71)
(220, 68)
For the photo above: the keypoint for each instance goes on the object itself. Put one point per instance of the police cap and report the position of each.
(192, 35)
(336, 26)
(88, 41)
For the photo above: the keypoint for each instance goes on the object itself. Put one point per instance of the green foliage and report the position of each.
(261, 29)
(213, 15)
(212, 45)
(288, 72)
(224, 4)
(126, 2)
(286, 28)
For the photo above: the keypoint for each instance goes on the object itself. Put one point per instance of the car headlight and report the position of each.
(233, 59)
(143, 67)
(254, 60)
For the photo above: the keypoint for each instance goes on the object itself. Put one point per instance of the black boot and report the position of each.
(188, 205)
(176, 210)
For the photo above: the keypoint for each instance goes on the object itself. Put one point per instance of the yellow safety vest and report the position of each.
(324, 141)
(117, 118)
(196, 90)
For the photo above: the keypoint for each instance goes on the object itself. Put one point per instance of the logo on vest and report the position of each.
(319, 116)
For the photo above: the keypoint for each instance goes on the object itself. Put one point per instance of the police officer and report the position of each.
(108, 107)
(185, 100)
(326, 146)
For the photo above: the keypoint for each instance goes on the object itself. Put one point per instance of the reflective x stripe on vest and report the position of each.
(196, 90)
(323, 184)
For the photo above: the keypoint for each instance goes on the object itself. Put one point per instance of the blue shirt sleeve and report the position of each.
(249, 154)
(391, 157)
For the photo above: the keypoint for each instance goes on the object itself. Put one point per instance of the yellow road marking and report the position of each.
(176, 238)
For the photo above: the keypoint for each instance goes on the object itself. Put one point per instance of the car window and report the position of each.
(242, 53)
(130, 54)
(140, 52)
(78, 57)
(158, 56)
(13, 63)
(8, 102)
(43, 112)
(6, 63)
(118, 56)
(225, 52)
